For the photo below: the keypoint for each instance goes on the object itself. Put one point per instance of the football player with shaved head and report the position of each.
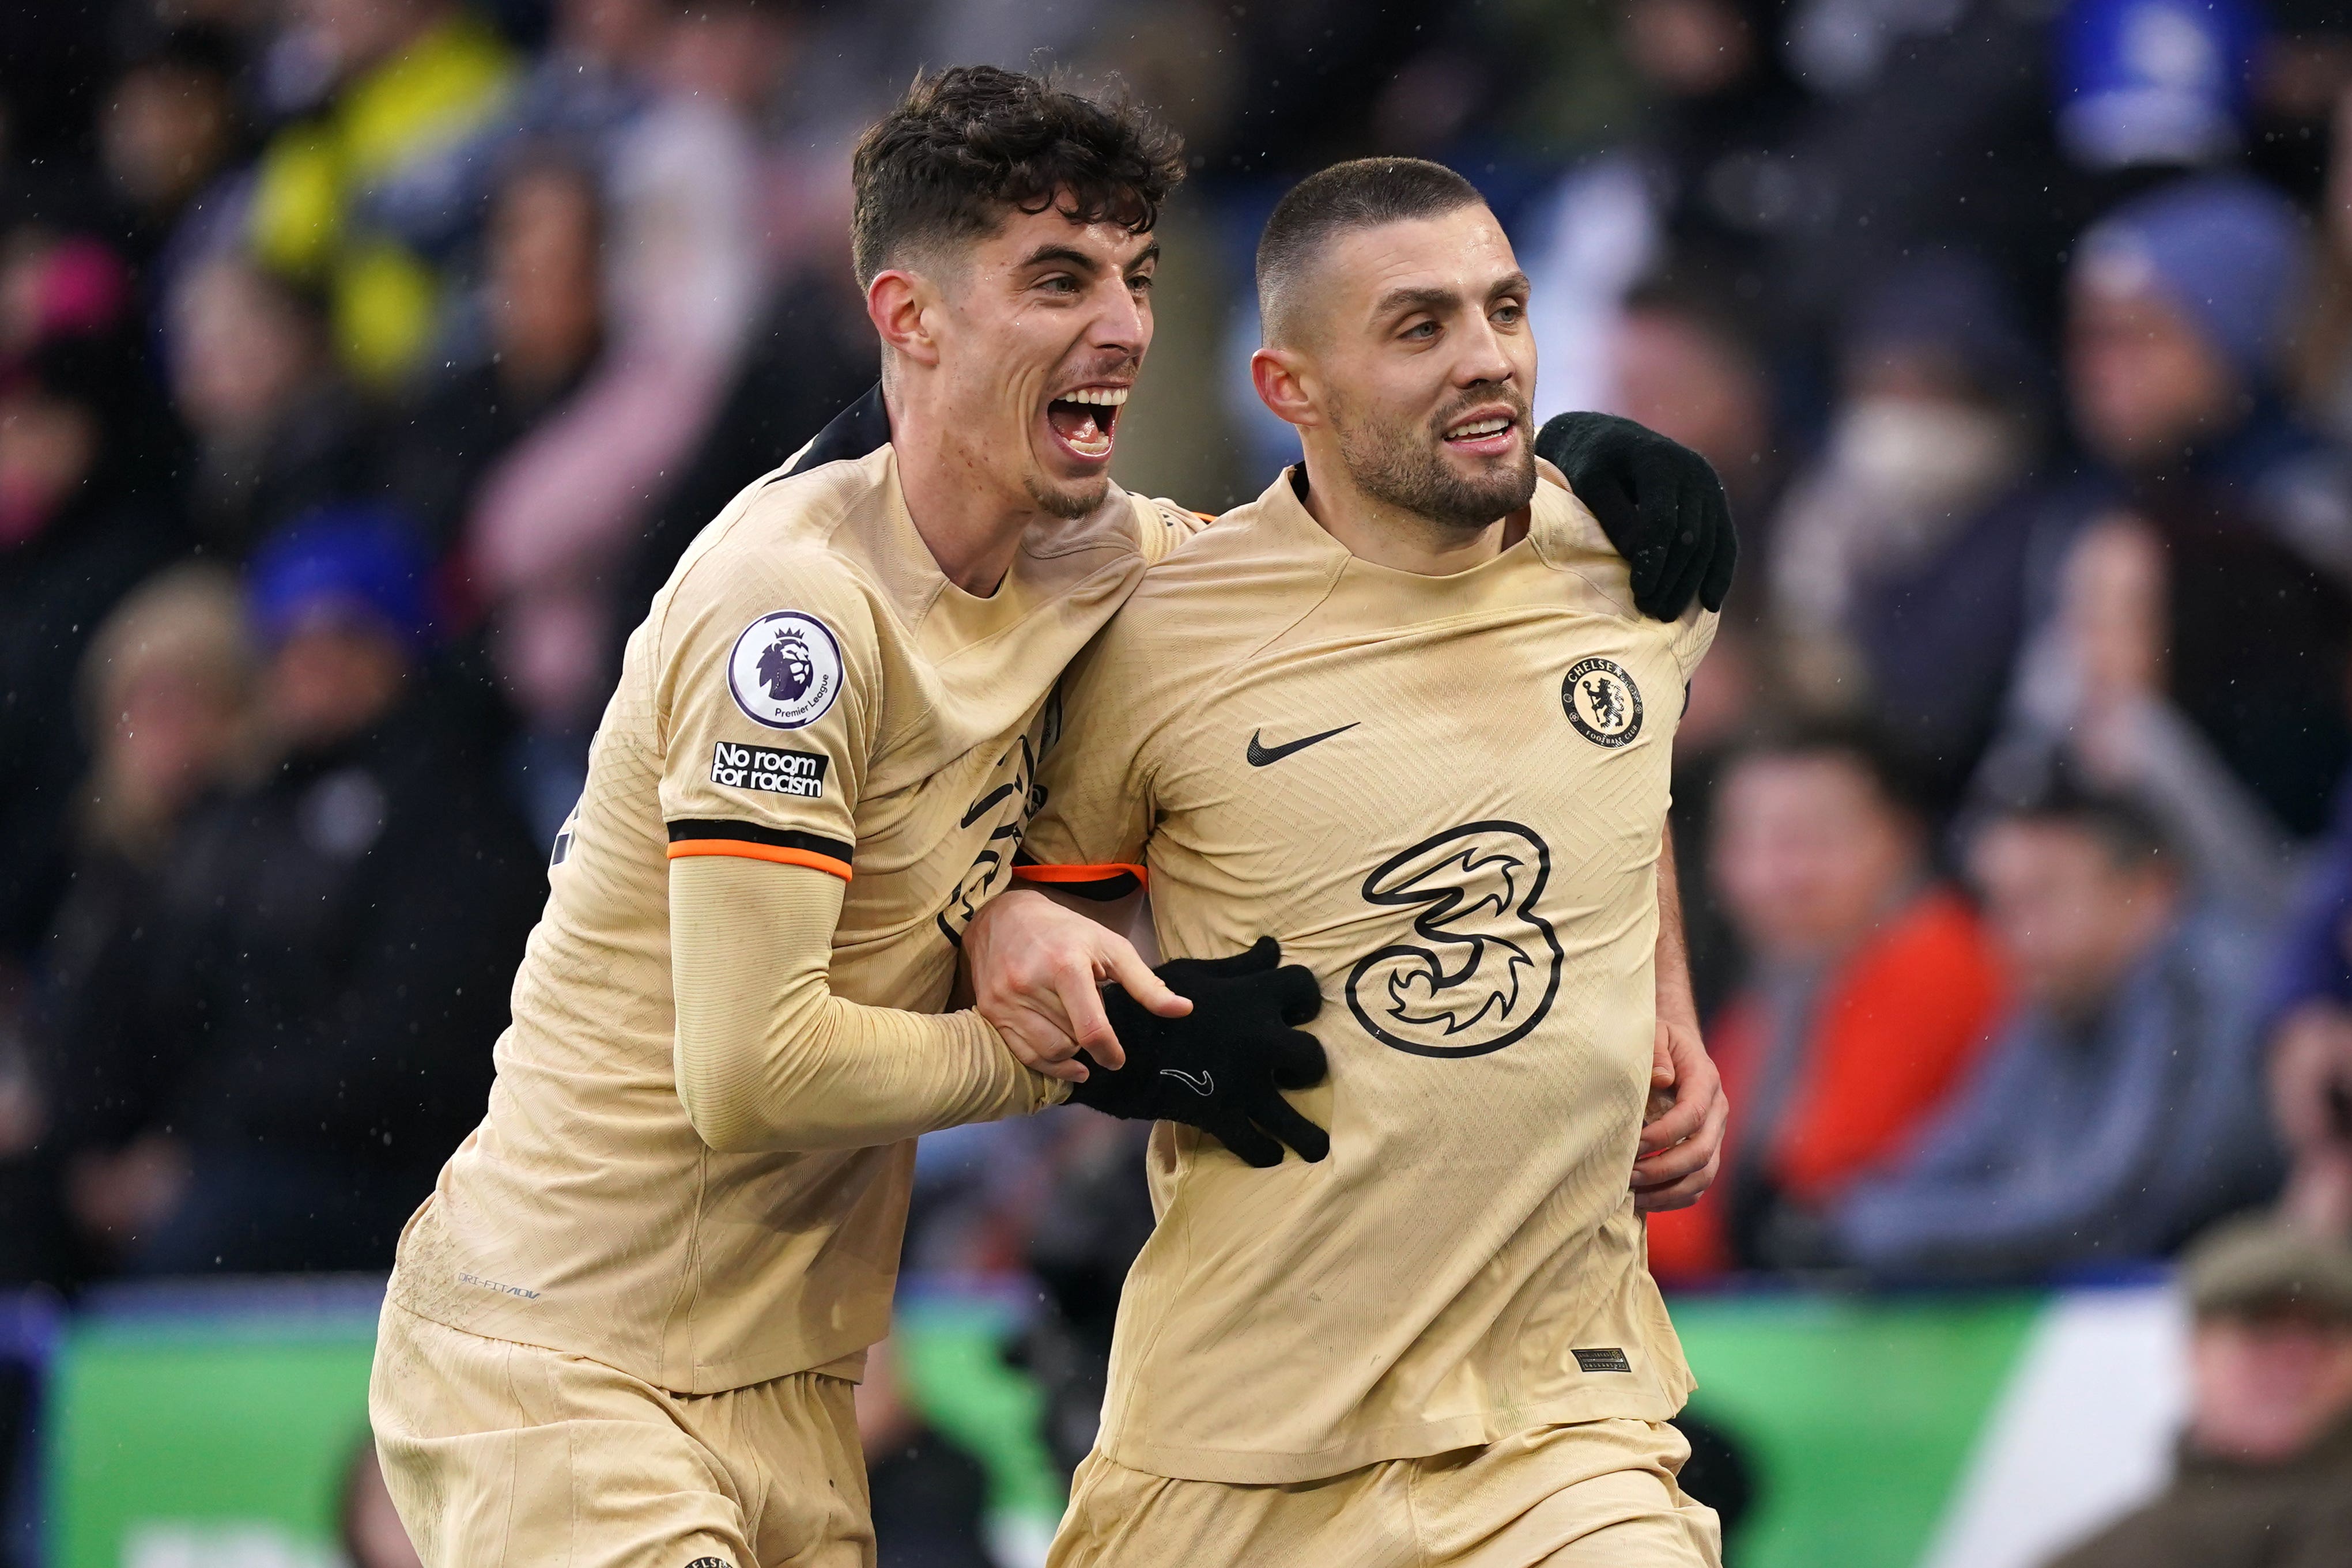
(625, 1327)
(1403, 714)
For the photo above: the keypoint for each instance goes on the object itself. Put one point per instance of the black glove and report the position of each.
(1222, 1067)
(1658, 501)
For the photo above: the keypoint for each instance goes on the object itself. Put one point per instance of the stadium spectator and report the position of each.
(1682, 196)
(1869, 990)
(2310, 1009)
(278, 430)
(1725, 111)
(2097, 696)
(76, 533)
(2263, 1476)
(1873, 180)
(580, 95)
(2211, 543)
(2121, 1109)
(1899, 561)
(2323, 350)
(685, 269)
(1681, 362)
(801, 369)
(351, 197)
(1682, 365)
(171, 127)
(544, 298)
(331, 948)
(2176, 325)
(2125, 105)
(165, 696)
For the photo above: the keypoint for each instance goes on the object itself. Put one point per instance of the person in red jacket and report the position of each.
(1870, 987)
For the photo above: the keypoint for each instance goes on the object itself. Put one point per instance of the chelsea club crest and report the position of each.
(1602, 702)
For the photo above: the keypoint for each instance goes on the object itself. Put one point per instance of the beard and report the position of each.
(1407, 468)
(1068, 502)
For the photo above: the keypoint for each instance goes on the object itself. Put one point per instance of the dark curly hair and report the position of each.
(967, 146)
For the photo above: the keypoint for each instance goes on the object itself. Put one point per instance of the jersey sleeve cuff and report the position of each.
(754, 841)
(1102, 882)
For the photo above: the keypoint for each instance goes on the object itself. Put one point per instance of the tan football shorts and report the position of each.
(1598, 1494)
(508, 1456)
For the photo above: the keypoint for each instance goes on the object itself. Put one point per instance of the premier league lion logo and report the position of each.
(786, 666)
(785, 671)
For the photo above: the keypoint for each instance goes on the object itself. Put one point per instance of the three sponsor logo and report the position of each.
(1478, 967)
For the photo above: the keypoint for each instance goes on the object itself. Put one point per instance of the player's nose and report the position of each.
(1484, 357)
(1124, 321)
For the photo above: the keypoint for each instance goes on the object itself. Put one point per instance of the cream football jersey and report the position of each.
(808, 689)
(1445, 796)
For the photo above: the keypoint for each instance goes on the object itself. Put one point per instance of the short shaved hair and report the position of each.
(1362, 194)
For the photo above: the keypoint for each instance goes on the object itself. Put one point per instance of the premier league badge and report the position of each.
(785, 671)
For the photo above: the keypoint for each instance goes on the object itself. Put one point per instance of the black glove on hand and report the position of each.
(1222, 1067)
(1658, 501)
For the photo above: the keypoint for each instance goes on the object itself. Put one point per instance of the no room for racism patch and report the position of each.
(800, 773)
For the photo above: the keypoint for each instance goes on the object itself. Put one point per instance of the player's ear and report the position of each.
(900, 304)
(1282, 379)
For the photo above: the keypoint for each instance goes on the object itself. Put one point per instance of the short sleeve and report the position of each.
(1089, 835)
(766, 682)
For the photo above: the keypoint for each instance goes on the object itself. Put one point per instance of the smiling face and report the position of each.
(1416, 354)
(1040, 329)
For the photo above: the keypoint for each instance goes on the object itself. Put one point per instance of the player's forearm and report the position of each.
(768, 1059)
(1676, 1003)
(832, 1074)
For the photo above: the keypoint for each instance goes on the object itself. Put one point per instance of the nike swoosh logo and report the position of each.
(1202, 1084)
(1261, 755)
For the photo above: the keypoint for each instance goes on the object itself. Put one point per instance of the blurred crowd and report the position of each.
(366, 364)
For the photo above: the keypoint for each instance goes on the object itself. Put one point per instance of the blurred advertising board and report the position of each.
(211, 1427)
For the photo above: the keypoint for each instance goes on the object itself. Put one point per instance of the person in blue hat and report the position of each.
(2181, 311)
(2234, 520)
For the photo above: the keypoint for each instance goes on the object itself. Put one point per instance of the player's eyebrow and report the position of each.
(1516, 283)
(1150, 254)
(1397, 301)
(1066, 254)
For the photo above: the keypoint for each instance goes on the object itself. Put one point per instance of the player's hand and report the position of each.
(1037, 971)
(1682, 1135)
(1223, 1069)
(1659, 502)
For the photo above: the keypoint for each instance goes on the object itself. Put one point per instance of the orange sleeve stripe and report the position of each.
(779, 853)
(1078, 872)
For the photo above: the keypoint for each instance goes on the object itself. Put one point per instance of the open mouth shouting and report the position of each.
(1486, 432)
(1083, 419)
